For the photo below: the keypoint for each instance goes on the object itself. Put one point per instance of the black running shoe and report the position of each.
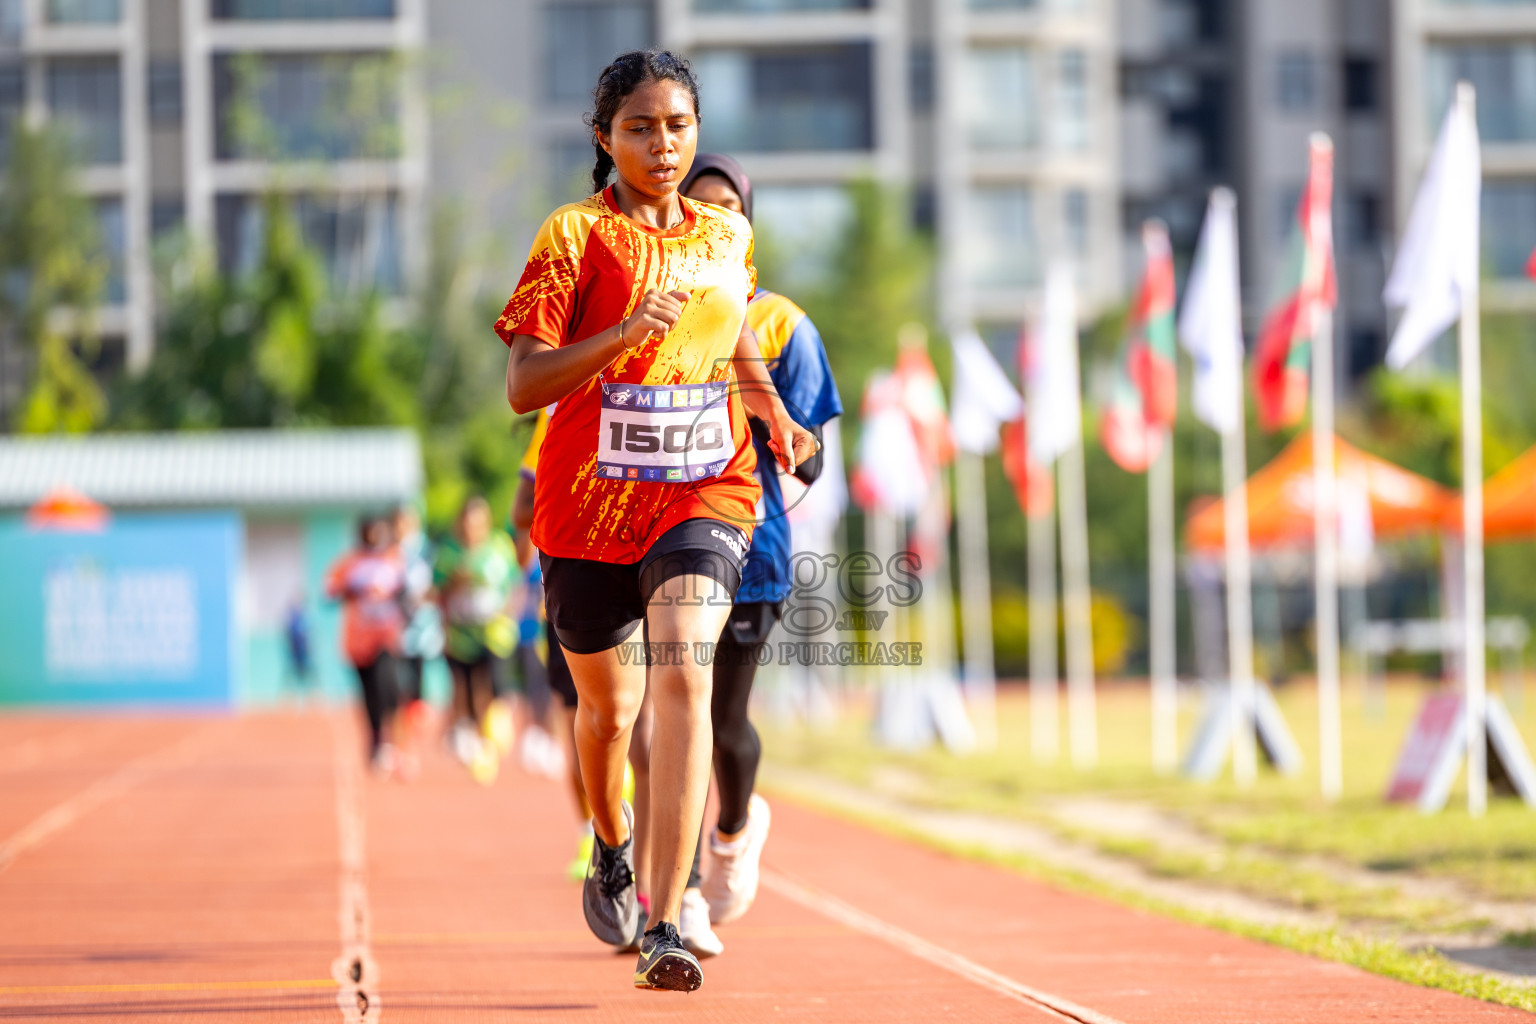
(664, 962)
(608, 894)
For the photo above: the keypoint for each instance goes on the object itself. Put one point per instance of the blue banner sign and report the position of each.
(140, 612)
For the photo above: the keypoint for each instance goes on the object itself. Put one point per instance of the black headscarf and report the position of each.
(727, 168)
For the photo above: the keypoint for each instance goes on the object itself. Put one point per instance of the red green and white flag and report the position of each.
(1308, 284)
(1145, 399)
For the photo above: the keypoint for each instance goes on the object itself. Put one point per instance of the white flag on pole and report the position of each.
(890, 470)
(1210, 324)
(1436, 265)
(984, 398)
(1057, 422)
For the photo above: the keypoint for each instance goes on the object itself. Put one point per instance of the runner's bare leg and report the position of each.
(683, 737)
(610, 692)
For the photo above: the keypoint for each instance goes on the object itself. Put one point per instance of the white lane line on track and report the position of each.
(354, 970)
(846, 914)
(135, 772)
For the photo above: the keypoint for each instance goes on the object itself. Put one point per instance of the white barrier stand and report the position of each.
(1212, 744)
(1437, 746)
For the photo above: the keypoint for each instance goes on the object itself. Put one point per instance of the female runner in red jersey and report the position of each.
(630, 315)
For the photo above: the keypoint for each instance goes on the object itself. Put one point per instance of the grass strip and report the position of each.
(1427, 968)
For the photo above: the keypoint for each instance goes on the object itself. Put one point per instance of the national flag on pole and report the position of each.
(1210, 323)
(921, 397)
(892, 474)
(984, 397)
(1145, 400)
(1307, 284)
(1530, 265)
(1032, 483)
(1050, 368)
(1437, 263)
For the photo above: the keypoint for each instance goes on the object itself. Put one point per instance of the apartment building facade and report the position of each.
(995, 118)
(1227, 92)
(1492, 44)
(183, 113)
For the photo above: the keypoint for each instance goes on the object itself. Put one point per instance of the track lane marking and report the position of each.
(830, 906)
(166, 986)
(134, 773)
(354, 970)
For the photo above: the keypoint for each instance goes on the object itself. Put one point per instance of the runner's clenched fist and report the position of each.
(656, 314)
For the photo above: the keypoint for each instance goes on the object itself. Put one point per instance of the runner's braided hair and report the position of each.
(627, 73)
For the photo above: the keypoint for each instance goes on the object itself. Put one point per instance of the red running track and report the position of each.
(244, 869)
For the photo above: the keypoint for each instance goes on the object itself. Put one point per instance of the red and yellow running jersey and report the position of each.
(530, 464)
(647, 444)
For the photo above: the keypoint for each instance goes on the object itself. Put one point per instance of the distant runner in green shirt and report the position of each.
(475, 572)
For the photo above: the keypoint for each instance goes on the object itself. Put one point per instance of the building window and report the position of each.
(13, 19)
(164, 92)
(1075, 222)
(13, 102)
(110, 229)
(1296, 82)
(805, 224)
(1509, 226)
(1288, 212)
(355, 236)
(84, 12)
(1362, 220)
(920, 78)
(583, 36)
(1069, 118)
(1360, 85)
(1002, 98)
(1365, 351)
(85, 99)
(571, 159)
(306, 107)
(298, 10)
(776, 6)
(1505, 77)
(803, 99)
(167, 215)
(1002, 244)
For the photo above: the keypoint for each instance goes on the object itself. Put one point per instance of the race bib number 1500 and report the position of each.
(671, 433)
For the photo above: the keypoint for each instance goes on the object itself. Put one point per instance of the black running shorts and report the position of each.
(594, 606)
(560, 679)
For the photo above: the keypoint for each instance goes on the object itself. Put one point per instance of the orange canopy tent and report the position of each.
(1280, 499)
(65, 508)
(1509, 502)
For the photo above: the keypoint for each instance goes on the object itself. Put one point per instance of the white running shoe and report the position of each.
(384, 760)
(693, 924)
(730, 884)
(464, 741)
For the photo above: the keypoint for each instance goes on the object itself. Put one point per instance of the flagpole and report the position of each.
(976, 593)
(1162, 593)
(1234, 472)
(1326, 537)
(1325, 499)
(1474, 655)
(1044, 718)
(1082, 713)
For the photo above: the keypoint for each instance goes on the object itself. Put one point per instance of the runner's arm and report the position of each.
(791, 442)
(538, 373)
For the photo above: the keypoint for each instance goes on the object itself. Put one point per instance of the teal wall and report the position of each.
(245, 668)
(328, 534)
(142, 612)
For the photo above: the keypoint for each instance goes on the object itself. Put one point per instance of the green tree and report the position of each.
(52, 274)
(880, 279)
(270, 348)
(472, 441)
